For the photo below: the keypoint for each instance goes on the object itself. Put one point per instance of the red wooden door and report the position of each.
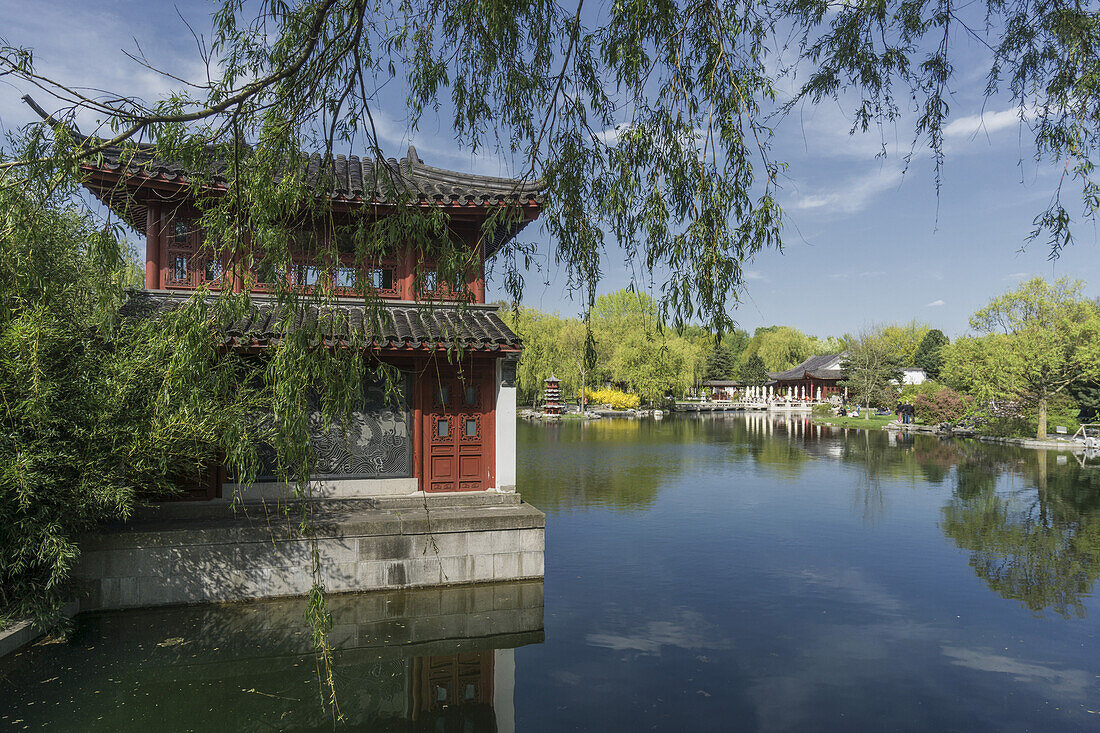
(456, 434)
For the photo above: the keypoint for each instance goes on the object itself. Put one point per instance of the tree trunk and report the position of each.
(584, 400)
(1041, 433)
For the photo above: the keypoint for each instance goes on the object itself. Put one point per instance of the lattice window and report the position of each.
(471, 428)
(433, 288)
(190, 263)
(213, 271)
(347, 278)
(266, 274)
(183, 244)
(308, 276)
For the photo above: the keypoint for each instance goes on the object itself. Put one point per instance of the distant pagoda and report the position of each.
(551, 396)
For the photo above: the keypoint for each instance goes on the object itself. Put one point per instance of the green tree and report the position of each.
(828, 345)
(1087, 396)
(780, 347)
(549, 348)
(929, 354)
(1047, 338)
(753, 371)
(977, 366)
(902, 339)
(872, 371)
(97, 412)
(720, 364)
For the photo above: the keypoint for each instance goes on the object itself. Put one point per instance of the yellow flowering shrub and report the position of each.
(613, 398)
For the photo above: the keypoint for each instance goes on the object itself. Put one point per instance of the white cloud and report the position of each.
(611, 135)
(753, 275)
(854, 195)
(935, 304)
(80, 46)
(857, 275)
(689, 631)
(1061, 681)
(987, 123)
(1017, 275)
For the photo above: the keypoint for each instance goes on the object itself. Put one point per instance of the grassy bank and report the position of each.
(875, 421)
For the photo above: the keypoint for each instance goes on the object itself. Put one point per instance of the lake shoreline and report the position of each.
(894, 426)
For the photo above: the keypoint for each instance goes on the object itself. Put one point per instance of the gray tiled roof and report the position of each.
(343, 178)
(812, 367)
(348, 178)
(387, 326)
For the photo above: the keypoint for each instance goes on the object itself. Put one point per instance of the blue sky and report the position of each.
(864, 243)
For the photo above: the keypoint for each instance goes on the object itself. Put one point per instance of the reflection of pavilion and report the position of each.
(428, 659)
(459, 691)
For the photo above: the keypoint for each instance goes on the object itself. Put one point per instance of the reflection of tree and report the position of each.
(1041, 545)
(614, 462)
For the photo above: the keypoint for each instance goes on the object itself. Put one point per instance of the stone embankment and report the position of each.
(180, 554)
(948, 431)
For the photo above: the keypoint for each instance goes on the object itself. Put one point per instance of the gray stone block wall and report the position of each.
(203, 561)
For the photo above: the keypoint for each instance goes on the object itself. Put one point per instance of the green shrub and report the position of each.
(941, 405)
(823, 411)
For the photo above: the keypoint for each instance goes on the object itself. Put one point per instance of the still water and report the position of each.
(705, 573)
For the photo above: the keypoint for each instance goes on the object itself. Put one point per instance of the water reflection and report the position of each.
(1037, 542)
(1029, 519)
(438, 659)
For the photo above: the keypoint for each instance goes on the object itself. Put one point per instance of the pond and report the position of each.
(702, 573)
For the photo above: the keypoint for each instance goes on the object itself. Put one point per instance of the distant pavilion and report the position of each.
(805, 380)
(723, 389)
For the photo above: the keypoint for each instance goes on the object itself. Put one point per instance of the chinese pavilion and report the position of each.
(453, 430)
(817, 378)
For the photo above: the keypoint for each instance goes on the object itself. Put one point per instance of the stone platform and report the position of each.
(182, 553)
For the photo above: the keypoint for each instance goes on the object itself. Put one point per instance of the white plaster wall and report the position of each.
(506, 432)
(913, 376)
(504, 689)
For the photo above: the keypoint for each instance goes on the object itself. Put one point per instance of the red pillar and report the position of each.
(476, 282)
(408, 273)
(237, 263)
(152, 248)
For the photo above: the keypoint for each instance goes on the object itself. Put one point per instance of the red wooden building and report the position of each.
(454, 430)
(817, 378)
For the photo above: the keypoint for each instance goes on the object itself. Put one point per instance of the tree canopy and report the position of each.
(929, 354)
(648, 123)
(1039, 339)
(873, 371)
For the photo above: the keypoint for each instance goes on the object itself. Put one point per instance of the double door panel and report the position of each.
(457, 433)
